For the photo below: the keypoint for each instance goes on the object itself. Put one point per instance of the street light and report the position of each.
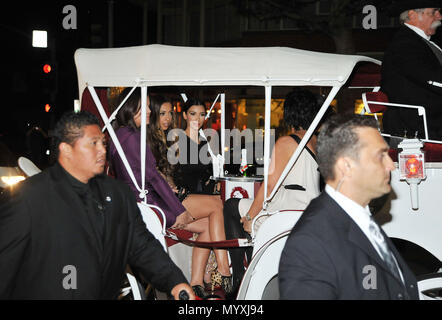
(47, 68)
(48, 81)
(39, 39)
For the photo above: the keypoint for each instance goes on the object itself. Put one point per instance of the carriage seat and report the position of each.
(378, 97)
(378, 102)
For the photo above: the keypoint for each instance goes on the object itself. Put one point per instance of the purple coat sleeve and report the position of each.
(159, 191)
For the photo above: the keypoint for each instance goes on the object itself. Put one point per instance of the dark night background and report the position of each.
(26, 89)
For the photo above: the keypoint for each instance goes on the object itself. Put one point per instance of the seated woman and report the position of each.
(160, 122)
(195, 213)
(299, 187)
(186, 177)
(192, 174)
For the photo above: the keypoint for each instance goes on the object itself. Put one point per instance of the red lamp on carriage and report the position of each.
(412, 167)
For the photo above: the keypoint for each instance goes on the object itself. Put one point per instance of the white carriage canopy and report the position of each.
(162, 65)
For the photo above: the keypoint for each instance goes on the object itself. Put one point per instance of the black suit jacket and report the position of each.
(408, 65)
(45, 228)
(327, 256)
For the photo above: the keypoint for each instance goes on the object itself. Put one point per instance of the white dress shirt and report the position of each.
(360, 215)
(421, 33)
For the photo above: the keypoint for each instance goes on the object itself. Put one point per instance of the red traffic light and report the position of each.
(47, 68)
(47, 107)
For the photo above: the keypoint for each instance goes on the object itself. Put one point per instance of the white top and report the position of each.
(303, 173)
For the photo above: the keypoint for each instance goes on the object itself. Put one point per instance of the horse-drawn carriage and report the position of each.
(266, 68)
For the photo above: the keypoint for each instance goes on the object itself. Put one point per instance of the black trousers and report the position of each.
(234, 229)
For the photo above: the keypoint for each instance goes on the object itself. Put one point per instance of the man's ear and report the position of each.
(65, 149)
(344, 166)
(412, 15)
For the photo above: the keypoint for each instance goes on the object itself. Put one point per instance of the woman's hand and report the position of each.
(246, 224)
(182, 220)
(173, 187)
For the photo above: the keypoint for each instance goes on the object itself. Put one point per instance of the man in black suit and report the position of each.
(412, 71)
(336, 250)
(70, 231)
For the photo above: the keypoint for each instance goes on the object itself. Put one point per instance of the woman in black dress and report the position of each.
(188, 178)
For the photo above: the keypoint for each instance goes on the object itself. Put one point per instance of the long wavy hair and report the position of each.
(125, 116)
(156, 137)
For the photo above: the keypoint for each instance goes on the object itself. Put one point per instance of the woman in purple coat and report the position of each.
(196, 213)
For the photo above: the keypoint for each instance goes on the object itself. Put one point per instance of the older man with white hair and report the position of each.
(412, 70)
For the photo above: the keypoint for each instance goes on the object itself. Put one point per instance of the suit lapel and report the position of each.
(358, 238)
(70, 205)
(432, 51)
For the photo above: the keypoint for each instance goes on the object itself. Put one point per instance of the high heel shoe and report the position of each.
(215, 280)
(227, 285)
(199, 291)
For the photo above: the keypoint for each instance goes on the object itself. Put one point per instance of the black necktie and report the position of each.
(94, 208)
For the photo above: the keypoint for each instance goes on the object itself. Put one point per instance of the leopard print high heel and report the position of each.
(215, 280)
(225, 282)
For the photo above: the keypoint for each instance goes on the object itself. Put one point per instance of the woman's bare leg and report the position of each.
(201, 206)
(199, 255)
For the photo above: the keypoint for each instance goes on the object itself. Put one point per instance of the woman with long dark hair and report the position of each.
(194, 213)
(161, 121)
(193, 172)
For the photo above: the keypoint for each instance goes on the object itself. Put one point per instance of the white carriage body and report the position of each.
(421, 226)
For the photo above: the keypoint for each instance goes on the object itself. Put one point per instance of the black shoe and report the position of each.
(199, 291)
(227, 285)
